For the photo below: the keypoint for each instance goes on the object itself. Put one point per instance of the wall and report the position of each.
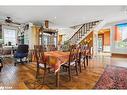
(106, 46)
(35, 35)
(88, 39)
(107, 38)
(30, 34)
(67, 33)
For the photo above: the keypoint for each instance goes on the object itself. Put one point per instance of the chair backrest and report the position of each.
(52, 48)
(39, 53)
(84, 50)
(22, 49)
(72, 54)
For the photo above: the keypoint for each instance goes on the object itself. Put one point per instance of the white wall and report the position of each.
(67, 33)
(30, 36)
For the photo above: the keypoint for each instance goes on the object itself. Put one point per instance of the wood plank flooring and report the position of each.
(23, 75)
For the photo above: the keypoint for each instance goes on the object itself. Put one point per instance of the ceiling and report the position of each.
(60, 16)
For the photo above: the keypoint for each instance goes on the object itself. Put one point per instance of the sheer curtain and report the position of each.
(10, 36)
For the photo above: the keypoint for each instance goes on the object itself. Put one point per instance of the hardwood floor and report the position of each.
(23, 75)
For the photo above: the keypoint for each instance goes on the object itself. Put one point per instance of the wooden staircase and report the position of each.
(82, 32)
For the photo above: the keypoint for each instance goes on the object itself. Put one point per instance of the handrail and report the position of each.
(81, 28)
(76, 32)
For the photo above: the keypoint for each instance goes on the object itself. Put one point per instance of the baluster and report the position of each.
(77, 35)
(86, 27)
(91, 25)
(75, 39)
(95, 23)
(72, 40)
(83, 30)
(80, 33)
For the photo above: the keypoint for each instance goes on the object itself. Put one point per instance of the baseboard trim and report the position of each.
(119, 55)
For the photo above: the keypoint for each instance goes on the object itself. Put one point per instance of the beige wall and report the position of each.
(35, 35)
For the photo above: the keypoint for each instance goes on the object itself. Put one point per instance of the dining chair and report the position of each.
(83, 58)
(41, 64)
(1, 64)
(53, 48)
(72, 62)
(79, 57)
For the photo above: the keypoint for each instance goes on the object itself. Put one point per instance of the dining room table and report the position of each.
(55, 59)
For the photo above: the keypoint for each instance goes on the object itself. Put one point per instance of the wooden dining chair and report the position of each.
(79, 57)
(1, 64)
(83, 58)
(41, 64)
(72, 62)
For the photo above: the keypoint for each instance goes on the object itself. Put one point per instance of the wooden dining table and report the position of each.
(55, 59)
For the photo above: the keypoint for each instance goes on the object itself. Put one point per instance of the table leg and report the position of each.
(57, 79)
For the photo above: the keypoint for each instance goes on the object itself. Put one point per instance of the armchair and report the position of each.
(21, 53)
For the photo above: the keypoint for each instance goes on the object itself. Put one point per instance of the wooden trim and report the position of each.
(119, 55)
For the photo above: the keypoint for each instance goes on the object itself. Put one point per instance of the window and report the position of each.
(121, 35)
(10, 36)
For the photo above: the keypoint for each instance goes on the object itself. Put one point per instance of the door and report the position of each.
(100, 44)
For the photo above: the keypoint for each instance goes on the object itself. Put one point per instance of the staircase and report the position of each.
(83, 32)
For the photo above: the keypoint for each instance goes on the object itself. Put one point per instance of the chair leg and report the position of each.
(14, 63)
(21, 61)
(45, 71)
(69, 72)
(57, 79)
(84, 63)
(76, 67)
(87, 60)
(79, 64)
(38, 69)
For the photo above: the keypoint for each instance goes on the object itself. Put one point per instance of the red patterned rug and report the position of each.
(113, 78)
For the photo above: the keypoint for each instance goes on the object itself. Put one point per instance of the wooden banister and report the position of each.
(83, 30)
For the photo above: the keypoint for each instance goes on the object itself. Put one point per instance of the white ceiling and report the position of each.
(62, 16)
